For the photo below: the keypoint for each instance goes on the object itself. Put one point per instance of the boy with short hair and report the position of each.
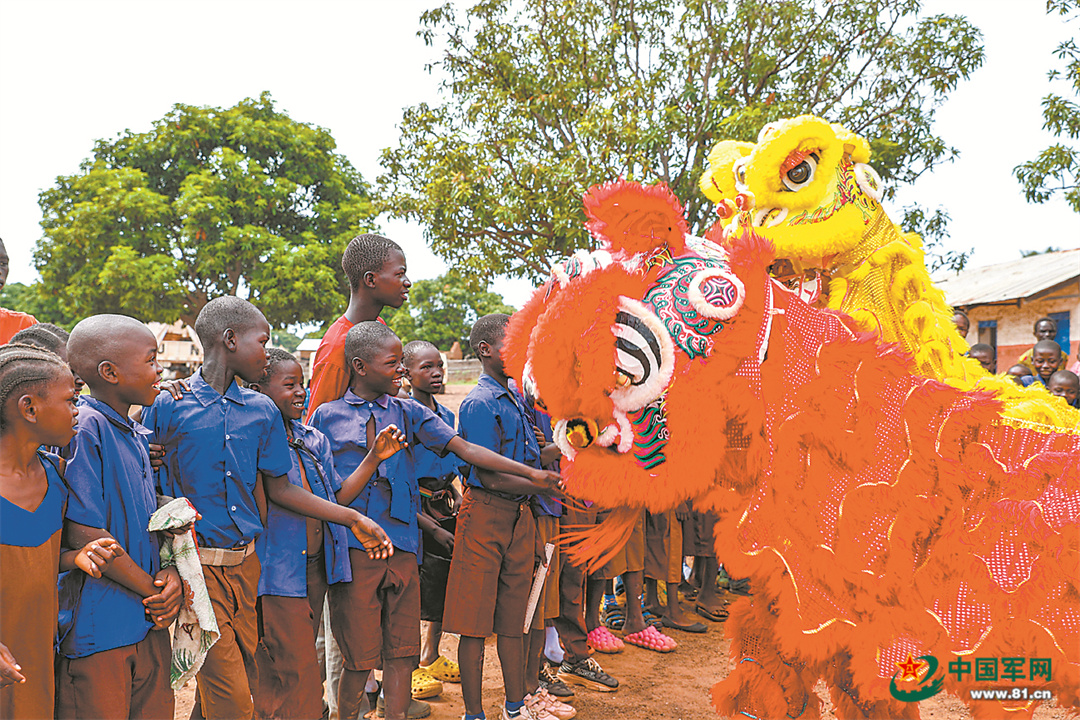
(307, 555)
(494, 551)
(986, 356)
(1045, 328)
(114, 656)
(11, 321)
(219, 438)
(1065, 384)
(1046, 358)
(390, 589)
(375, 268)
(425, 369)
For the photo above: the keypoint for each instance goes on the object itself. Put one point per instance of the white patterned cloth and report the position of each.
(195, 630)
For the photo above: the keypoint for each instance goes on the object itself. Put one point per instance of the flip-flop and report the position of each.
(691, 628)
(709, 614)
(650, 617)
(651, 639)
(601, 640)
(613, 616)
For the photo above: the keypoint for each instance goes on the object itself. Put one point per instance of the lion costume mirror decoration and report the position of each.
(881, 513)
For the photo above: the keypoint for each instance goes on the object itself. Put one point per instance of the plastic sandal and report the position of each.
(613, 616)
(602, 641)
(423, 685)
(651, 619)
(443, 670)
(651, 639)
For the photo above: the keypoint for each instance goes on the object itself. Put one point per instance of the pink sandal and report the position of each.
(601, 640)
(651, 639)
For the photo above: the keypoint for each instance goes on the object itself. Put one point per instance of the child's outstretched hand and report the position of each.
(372, 537)
(388, 442)
(96, 555)
(9, 669)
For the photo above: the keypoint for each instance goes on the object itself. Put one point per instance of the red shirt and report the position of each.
(330, 373)
(12, 321)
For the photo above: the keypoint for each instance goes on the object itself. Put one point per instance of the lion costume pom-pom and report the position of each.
(635, 218)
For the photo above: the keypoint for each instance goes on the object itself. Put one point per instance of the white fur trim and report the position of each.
(563, 442)
(869, 181)
(703, 306)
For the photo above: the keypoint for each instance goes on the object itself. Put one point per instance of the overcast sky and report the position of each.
(72, 72)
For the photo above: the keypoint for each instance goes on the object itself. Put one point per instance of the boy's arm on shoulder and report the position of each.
(122, 570)
(500, 473)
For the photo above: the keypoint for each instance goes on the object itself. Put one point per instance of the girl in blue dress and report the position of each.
(37, 408)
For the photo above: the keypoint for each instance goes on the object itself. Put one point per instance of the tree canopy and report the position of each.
(543, 99)
(443, 310)
(1057, 168)
(209, 202)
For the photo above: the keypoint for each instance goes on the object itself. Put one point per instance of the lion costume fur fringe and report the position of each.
(879, 512)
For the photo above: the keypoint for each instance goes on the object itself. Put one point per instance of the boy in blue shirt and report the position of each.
(378, 613)
(494, 550)
(219, 440)
(301, 556)
(425, 369)
(114, 652)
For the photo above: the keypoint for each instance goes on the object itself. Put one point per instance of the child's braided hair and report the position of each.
(26, 367)
(43, 335)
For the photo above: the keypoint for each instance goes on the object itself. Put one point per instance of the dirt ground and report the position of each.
(653, 686)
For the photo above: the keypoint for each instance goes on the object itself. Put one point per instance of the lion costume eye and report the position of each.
(801, 174)
(644, 356)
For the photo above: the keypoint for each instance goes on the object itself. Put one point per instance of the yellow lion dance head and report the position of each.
(805, 185)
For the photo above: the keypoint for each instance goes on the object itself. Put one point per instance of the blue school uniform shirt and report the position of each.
(282, 549)
(214, 446)
(493, 417)
(1032, 379)
(429, 464)
(392, 497)
(543, 504)
(23, 528)
(111, 487)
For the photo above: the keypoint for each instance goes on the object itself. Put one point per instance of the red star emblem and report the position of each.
(909, 669)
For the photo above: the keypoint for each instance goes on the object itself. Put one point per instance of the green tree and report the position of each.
(1057, 168)
(443, 310)
(208, 202)
(285, 339)
(27, 299)
(546, 98)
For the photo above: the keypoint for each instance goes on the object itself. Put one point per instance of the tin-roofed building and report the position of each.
(1003, 302)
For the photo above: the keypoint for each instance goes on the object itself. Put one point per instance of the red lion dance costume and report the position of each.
(881, 515)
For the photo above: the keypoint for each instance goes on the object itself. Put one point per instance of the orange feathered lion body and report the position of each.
(879, 514)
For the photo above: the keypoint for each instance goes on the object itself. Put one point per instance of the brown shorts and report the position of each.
(290, 681)
(229, 673)
(698, 537)
(492, 569)
(547, 608)
(630, 558)
(663, 547)
(125, 682)
(377, 615)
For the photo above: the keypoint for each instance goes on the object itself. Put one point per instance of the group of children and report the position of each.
(291, 514)
(1045, 363)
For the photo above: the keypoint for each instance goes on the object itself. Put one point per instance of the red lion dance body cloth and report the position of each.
(895, 529)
